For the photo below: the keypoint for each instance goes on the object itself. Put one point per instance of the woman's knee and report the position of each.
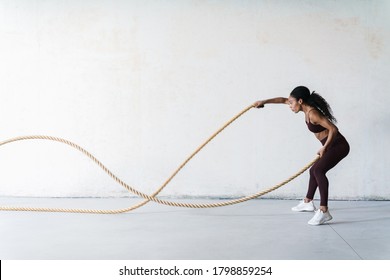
(317, 171)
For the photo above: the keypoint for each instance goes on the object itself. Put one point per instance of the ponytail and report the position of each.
(317, 101)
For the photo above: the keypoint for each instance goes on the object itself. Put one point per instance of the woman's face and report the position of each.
(294, 104)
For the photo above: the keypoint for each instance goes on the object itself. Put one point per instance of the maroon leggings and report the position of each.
(336, 151)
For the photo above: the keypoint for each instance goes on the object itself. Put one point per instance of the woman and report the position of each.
(320, 121)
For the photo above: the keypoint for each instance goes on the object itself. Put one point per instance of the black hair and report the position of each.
(314, 100)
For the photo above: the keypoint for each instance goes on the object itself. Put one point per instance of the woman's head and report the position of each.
(297, 97)
(301, 95)
(301, 92)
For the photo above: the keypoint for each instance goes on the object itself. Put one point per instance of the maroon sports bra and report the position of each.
(316, 128)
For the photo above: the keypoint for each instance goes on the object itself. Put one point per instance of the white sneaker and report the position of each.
(320, 218)
(304, 207)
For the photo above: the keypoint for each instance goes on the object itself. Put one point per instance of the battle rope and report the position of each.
(151, 197)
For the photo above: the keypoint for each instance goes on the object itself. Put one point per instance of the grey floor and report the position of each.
(257, 229)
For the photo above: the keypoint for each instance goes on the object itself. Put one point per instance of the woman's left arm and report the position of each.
(317, 118)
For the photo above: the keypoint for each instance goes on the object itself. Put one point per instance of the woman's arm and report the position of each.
(316, 118)
(276, 100)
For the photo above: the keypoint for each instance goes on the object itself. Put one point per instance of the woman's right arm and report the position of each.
(276, 100)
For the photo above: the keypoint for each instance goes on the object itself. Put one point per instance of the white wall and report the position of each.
(141, 84)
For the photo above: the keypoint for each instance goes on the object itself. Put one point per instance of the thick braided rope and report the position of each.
(138, 193)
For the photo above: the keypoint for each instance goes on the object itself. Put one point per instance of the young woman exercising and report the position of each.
(320, 121)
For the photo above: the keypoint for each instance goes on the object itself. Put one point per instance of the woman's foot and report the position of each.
(304, 206)
(320, 217)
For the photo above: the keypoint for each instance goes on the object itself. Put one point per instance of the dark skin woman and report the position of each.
(319, 120)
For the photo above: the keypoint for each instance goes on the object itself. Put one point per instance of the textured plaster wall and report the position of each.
(140, 84)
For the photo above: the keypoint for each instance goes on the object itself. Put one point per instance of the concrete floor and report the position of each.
(258, 229)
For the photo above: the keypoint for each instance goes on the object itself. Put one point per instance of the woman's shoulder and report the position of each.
(314, 115)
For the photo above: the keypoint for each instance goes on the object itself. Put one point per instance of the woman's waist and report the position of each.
(338, 137)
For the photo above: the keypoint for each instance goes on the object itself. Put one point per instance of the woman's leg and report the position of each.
(335, 153)
(312, 184)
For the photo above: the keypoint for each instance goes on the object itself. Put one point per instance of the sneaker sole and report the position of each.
(296, 210)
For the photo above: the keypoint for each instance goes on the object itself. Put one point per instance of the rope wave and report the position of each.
(147, 198)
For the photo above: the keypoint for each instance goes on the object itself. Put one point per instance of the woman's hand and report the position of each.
(259, 104)
(321, 151)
